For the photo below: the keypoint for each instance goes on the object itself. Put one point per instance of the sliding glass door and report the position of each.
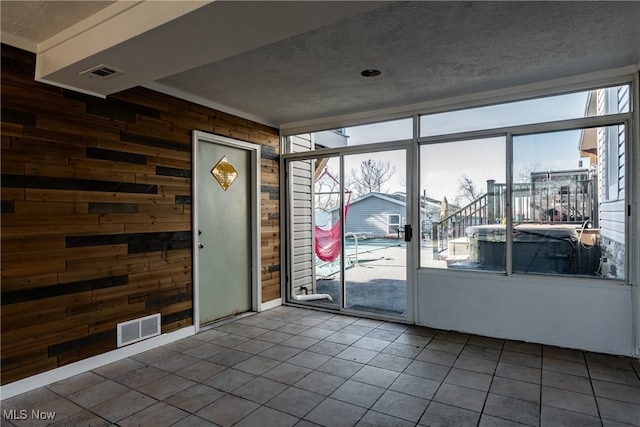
(349, 231)
(375, 278)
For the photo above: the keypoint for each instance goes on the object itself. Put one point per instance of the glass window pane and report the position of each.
(394, 224)
(568, 199)
(315, 235)
(375, 251)
(392, 130)
(553, 108)
(328, 228)
(462, 188)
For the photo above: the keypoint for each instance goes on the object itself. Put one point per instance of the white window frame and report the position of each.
(391, 224)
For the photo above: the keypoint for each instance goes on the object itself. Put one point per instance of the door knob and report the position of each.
(200, 245)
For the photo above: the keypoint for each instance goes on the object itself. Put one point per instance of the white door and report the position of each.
(225, 227)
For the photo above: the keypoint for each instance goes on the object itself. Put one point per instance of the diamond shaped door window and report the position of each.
(224, 173)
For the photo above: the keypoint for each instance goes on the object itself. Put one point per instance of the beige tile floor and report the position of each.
(296, 367)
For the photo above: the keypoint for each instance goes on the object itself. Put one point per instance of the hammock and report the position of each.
(328, 241)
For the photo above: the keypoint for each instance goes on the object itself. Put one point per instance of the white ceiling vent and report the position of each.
(101, 72)
(138, 329)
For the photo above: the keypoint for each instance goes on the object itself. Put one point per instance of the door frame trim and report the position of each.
(254, 151)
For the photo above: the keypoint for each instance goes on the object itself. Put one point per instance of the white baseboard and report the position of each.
(270, 304)
(58, 374)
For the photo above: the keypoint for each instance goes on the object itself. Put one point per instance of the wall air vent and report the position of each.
(101, 72)
(138, 329)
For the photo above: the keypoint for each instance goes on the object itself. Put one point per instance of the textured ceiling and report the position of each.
(425, 50)
(38, 20)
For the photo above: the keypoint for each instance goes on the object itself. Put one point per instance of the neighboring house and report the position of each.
(606, 148)
(383, 215)
(611, 167)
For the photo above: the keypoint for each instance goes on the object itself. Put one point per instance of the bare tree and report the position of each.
(327, 191)
(523, 174)
(370, 176)
(467, 191)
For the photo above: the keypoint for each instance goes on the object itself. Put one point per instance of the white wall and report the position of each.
(588, 314)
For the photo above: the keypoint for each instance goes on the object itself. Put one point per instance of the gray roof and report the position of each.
(397, 198)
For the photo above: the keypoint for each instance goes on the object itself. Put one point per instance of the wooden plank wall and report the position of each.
(96, 214)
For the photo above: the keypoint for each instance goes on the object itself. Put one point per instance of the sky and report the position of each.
(442, 165)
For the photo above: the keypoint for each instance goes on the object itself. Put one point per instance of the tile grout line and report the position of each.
(493, 376)
(246, 331)
(593, 390)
